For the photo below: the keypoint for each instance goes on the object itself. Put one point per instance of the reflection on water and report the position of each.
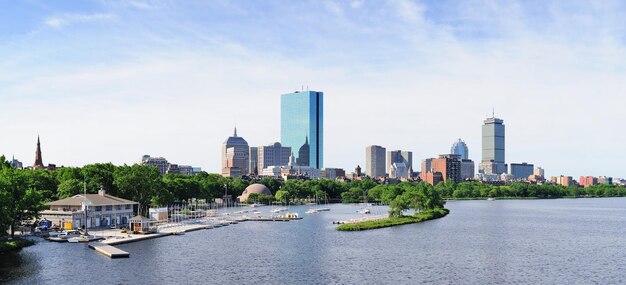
(479, 242)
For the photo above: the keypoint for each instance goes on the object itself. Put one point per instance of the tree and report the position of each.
(19, 202)
(138, 183)
(69, 188)
(282, 196)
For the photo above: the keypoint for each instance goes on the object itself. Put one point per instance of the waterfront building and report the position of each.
(332, 173)
(587, 181)
(562, 180)
(493, 160)
(273, 155)
(102, 210)
(239, 156)
(539, 172)
(38, 158)
(16, 163)
(159, 162)
(397, 157)
(605, 180)
(302, 118)
(522, 170)
(375, 161)
(467, 169)
(459, 147)
(253, 166)
(185, 170)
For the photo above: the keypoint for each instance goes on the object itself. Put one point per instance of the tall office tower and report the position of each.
(240, 153)
(522, 170)
(398, 156)
(302, 119)
(467, 169)
(159, 162)
(273, 155)
(493, 147)
(254, 160)
(539, 172)
(375, 161)
(459, 147)
(403, 161)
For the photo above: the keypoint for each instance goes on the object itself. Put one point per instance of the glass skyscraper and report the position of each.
(302, 122)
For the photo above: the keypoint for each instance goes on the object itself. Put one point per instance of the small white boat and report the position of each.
(491, 199)
(311, 211)
(81, 238)
(322, 209)
(364, 211)
(178, 233)
(255, 205)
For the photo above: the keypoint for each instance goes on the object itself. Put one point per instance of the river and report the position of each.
(575, 241)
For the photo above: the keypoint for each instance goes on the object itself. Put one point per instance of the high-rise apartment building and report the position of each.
(586, 181)
(302, 123)
(449, 165)
(273, 155)
(375, 161)
(403, 161)
(459, 147)
(254, 160)
(467, 169)
(159, 162)
(493, 161)
(539, 172)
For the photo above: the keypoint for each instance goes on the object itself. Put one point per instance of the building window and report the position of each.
(127, 207)
(98, 208)
(109, 208)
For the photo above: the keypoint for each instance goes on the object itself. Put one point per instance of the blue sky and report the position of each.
(113, 80)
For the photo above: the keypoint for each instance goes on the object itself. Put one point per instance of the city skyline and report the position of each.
(92, 74)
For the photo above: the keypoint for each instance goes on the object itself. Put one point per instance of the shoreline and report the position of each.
(395, 221)
(16, 244)
(529, 198)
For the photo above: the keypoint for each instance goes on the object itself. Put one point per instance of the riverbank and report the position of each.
(15, 244)
(395, 221)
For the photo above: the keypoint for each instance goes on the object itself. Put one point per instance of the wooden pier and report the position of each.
(108, 250)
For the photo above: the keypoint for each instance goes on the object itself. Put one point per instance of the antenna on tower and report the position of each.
(493, 112)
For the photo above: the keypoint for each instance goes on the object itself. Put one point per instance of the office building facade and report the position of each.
(493, 160)
(459, 147)
(522, 170)
(375, 161)
(239, 153)
(403, 161)
(274, 155)
(302, 122)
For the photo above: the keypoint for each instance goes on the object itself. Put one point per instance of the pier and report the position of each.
(108, 250)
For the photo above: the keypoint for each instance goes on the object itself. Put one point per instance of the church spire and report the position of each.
(307, 140)
(235, 135)
(38, 161)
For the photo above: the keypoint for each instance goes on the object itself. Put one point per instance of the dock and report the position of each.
(270, 219)
(108, 250)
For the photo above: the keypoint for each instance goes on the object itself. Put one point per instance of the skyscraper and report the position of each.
(38, 160)
(493, 147)
(459, 147)
(375, 161)
(273, 155)
(239, 155)
(302, 119)
(403, 161)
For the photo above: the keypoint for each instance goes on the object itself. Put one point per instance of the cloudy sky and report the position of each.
(112, 80)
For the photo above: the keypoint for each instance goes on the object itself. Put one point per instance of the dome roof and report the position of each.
(254, 188)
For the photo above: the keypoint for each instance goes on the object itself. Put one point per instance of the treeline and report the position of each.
(523, 190)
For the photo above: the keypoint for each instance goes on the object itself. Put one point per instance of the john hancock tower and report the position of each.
(302, 126)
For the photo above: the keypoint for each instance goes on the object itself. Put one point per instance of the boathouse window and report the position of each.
(109, 208)
(127, 207)
(98, 208)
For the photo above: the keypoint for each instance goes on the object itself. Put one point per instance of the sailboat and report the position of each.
(324, 209)
(84, 237)
(313, 210)
(364, 210)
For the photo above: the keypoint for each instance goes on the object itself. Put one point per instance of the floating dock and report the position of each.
(108, 250)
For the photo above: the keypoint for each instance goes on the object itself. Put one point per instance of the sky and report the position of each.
(110, 81)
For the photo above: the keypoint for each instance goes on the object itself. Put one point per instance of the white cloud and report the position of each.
(68, 19)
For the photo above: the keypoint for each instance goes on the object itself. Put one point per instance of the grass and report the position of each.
(14, 244)
(395, 221)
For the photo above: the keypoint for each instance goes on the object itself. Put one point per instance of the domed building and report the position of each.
(254, 188)
(304, 153)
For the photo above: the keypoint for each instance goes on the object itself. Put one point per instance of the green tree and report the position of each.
(138, 183)
(19, 202)
(69, 188)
